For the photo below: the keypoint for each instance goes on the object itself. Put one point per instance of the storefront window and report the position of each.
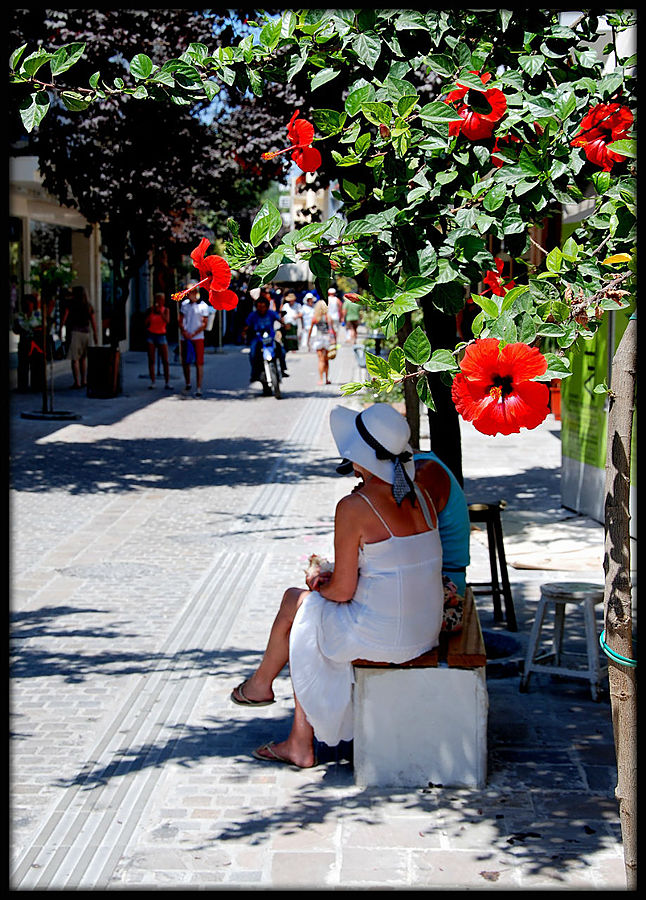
(52, 271)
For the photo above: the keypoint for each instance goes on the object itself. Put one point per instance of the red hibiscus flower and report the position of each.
(493, 280)
(603, 124)
(301, 134)
(216, 277)
(477, 124)
(494, 390)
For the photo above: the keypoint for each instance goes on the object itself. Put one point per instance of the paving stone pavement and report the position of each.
(150, 542)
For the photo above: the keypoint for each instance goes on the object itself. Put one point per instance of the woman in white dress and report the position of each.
(321, 335)
(382, 601)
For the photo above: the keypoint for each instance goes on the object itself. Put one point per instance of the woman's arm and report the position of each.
(347, 535)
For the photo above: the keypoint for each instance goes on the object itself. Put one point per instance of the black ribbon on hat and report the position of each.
(402, 484)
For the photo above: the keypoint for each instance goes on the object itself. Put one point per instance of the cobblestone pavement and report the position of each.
(150, 542)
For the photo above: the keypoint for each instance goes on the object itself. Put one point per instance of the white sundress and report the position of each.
(395, 615)
(321, 337)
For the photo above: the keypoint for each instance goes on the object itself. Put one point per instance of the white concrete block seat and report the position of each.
(425, 721)
(588, 665)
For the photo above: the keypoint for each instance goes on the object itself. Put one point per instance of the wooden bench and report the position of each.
(425, 721)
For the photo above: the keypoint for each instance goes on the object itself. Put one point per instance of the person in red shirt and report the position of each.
(157, 318)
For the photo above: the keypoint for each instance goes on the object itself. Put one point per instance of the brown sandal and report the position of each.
(241, 700)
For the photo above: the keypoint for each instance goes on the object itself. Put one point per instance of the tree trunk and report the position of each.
(444, 424)
(617, 600)
(411, 397)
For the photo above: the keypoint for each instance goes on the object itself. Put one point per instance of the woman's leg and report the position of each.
(322, 361)
(165, 365)
(299, 744)
(151, 361)
(276, 656)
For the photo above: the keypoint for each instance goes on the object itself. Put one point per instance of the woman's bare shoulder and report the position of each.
(434, 479)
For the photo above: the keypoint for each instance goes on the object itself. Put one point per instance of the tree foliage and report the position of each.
(149, 173)
(452, 134)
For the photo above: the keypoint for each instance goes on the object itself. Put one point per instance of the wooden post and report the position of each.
(617, 595)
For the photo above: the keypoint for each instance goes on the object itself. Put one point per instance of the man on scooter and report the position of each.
(260, 320)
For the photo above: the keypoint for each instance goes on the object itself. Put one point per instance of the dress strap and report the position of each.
(422, 497)
(376, 512)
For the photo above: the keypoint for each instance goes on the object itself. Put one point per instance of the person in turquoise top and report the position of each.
(453, 520)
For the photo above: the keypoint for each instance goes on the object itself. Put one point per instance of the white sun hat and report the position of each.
(377, 439)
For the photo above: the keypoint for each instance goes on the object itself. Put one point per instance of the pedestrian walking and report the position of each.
(193, 319)
(320, 337)
(307, 312)
(157, 317)
(351, 318)
(334, 309)
(79, 320)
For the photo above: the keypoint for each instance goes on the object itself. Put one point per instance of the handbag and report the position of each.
(453, 610)
(331, 351)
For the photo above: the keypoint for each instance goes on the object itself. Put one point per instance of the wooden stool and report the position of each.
(558, 594)
(489, 513)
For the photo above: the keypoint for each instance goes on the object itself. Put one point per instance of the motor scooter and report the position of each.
(271, 373)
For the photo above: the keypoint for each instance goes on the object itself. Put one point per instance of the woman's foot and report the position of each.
(286, 752)
(247, 695)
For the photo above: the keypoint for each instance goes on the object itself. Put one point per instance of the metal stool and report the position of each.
(489, 513)
(559, 594)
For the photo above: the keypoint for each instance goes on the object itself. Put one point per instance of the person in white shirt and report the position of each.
(293, 318)
(307, 311)
(334, 307)
(193, 320)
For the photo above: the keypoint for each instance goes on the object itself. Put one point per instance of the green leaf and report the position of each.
(438, 112)
(424, 392)
(270, 34)
(328, 121)
(377, 113)
(74, 101)
(570, 250)
(624, 148)
(442, 361)
(376, 365)
(418, 286)
(554, 260)
(323, 77)
(14, 59)
(565, 104)
(406, 104)
(198, 52)
(368, 48)
(34, 61)
(441, 64)
(495, 197)
(266, 224)
(141, 66)
(532, 64)
(352, 387)
(489, 306)
(417, 347)
(266, 270)
(397, 360)
(65, 57)
(358, 97)
(557, 367)
(33, 108)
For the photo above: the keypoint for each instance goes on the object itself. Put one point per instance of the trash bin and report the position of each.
(103, 372)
